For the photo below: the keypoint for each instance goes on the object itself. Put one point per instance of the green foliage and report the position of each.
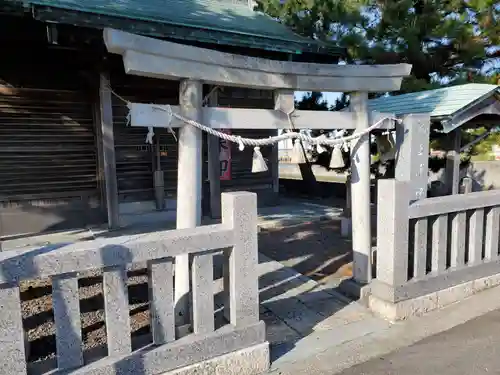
(312, 101)
(437, 163)
(484, 147)
(341, 103)
(452, 40)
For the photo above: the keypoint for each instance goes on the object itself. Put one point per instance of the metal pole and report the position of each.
(346, 219)
(360, 192)
(456, 162)
(189, 180)
(158, 178)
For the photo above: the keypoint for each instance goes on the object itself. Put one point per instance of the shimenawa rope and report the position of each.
(242, 142)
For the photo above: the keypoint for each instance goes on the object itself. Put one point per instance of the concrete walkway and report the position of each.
(472, 348)
(304, 318)
(313, 330)
(293, 211)
(380, 343)
(289, 212)
(292, 172)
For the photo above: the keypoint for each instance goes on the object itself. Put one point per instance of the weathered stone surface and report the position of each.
(165, 60)
(108, 252)
(113, 255)
(116, 311)
(432, 301)
(203, 293)
(412, 138)
(66, 305)
(239, 211)
(12, 361)
(250, 361)
(453, 203)
(146, 115)
(392, 231)
(161, 280)
(181, 353)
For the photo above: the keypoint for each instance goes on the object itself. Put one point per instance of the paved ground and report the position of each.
(468, 349)
(289, 212)
(314, 249)
(432, 343)
(292, 171)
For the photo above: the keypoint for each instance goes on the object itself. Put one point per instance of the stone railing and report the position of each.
(433, 251)
(236, 235)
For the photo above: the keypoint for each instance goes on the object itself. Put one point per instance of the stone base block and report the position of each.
(355, 290)
(418, 306)
(250, 361)
(345, 226)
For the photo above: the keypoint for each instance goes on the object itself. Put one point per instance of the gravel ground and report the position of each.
(38, 317)
(314, 249)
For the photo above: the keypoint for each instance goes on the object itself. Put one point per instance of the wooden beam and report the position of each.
(492, 122)
(145, 115)
(108, 151)
(452, 169)
(214, 168)
(490, 106)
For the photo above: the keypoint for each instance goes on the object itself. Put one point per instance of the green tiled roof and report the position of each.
(222, 17)
(439, 103)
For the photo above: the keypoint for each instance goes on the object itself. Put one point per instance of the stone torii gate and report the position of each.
(194, 66)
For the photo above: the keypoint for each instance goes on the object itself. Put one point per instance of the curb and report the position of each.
(399, 335)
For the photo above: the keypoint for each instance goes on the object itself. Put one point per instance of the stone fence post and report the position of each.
(466, 186)
(392, 231)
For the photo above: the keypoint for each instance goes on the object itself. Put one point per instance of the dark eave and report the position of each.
(312, 50)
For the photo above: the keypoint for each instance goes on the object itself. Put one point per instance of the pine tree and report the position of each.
(448, 41)
(312, 101)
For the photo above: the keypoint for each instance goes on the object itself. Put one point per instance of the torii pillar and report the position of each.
(189, 187)
(360, 192)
